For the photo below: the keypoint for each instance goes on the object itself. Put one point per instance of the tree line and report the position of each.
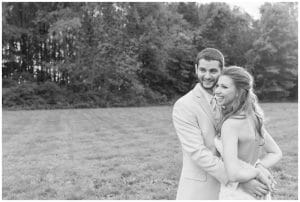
(104, 54)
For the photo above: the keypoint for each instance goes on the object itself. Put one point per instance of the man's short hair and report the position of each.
(211, 54)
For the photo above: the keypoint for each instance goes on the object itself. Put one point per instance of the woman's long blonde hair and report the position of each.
(246, 100)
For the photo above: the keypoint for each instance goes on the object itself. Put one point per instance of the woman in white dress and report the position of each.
(242, 135)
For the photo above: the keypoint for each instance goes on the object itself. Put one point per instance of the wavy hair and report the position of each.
(246, 100)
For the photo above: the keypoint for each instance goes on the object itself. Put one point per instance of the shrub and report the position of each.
(22, 95)
(8, 83)
(51, 92)
(153, 97)
(49, 95)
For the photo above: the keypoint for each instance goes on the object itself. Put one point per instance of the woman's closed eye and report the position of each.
(221, 86)
(224, 86)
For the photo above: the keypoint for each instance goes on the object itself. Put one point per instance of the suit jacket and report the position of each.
(202, 171)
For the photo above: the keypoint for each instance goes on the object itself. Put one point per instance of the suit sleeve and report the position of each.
(190, 136)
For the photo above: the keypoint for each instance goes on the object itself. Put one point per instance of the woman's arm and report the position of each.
(235, 170)
(273, 151)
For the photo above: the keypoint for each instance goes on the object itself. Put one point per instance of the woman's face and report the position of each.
(225, 91)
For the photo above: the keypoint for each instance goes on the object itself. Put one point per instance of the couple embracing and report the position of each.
(221, 129)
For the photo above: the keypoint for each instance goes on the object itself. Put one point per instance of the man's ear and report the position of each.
(196, 67)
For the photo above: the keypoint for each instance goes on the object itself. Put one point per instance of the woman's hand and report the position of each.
(266, 178)
(255, 188)
(267, 173)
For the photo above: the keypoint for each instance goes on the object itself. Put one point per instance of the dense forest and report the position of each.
(102, 54)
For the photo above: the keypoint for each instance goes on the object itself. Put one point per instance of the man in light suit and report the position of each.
(193, 118)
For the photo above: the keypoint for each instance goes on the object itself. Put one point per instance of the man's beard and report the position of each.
(208, 88)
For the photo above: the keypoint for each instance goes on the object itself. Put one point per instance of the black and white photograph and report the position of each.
(149, 100)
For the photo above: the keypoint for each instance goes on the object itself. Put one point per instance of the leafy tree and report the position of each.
(104, 54)
(229, 30)
(17, 19)
(275, 52)
(190, 12)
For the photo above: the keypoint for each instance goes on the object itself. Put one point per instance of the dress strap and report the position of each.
(240, 116)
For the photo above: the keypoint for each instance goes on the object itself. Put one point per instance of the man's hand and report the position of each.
(255, 188)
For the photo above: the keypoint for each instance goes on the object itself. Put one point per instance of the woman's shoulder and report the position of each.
(238, 116)
(235, 122)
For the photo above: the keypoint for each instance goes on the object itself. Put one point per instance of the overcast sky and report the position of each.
(251, 7)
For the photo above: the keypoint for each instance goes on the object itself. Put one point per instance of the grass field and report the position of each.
(115, 153)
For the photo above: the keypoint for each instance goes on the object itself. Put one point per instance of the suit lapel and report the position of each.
(198, 92)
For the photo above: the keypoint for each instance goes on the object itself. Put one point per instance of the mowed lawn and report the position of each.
(115, 153)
